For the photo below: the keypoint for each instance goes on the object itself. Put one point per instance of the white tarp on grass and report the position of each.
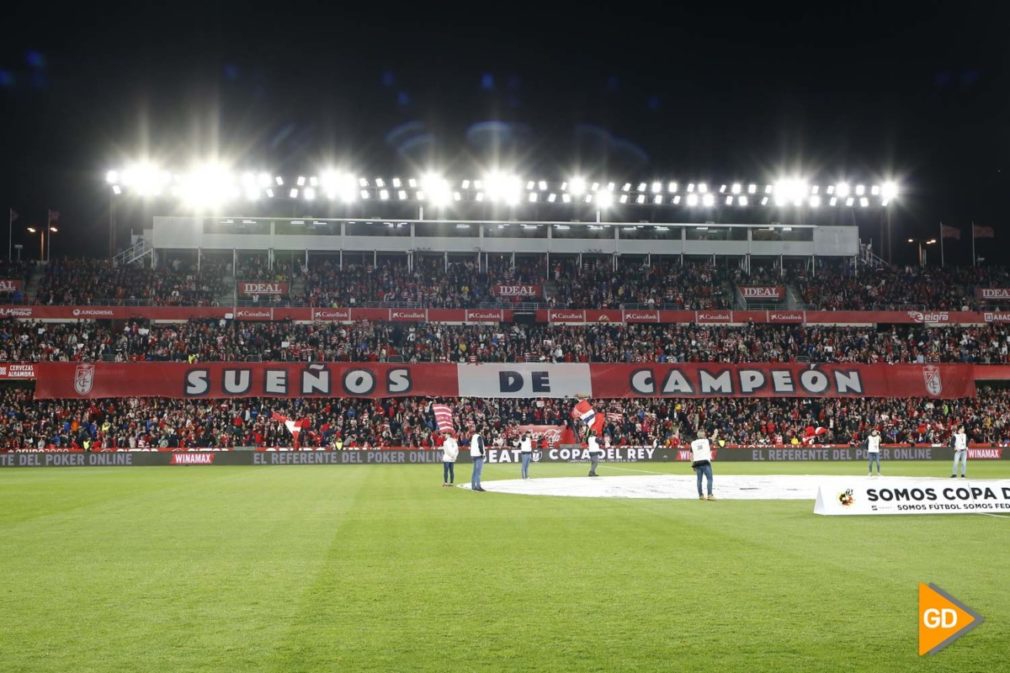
(681, 487)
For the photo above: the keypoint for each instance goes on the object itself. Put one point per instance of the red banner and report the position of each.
(219, 380)
(521, 291)
(450, 315)
(257, 287)
(11, 285)
(782, 380)
(767, 293)
(60, 380)
(993, 293)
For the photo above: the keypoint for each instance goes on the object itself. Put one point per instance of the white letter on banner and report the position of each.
(814, 381)
(716, 384)
(316, 379)
(524, 380)
(677, 383)
(751, 380)
(782, 382)
(196, 382)
(236, 381)
(276, 382)
(848, 382)
(641, 382)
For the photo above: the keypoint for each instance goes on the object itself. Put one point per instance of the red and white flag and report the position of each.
(982, 232)
(443, 417)
(585, 412)
(615, 417)
(54, 216)
(293, 426)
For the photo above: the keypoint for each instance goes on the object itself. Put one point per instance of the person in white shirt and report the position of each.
(873, 452)
(477, 452)
(960, 453)
(701, 462)
(594, 454)
(526, 454)
(450, 451)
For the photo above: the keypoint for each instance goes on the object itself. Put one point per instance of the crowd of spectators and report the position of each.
(834, 287)
(84, 282)
(225, 340)
(354, 423)
(459, 282)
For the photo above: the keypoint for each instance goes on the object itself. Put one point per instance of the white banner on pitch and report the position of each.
(912, 496)
(525, 380)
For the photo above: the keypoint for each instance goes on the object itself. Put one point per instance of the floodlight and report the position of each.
(364, 194)
(833, 201)
(363, 182)
(264, 180)
(657, 200)
(640, 199)
(708, 200)
(793, 190)
(145, 179)
(397, 183)
(542, 185)
(736, 188)
(293, 193)
(702, 187)
(815, 201)
(741, 201)
(577, 186)
(32, 230)
(465, 184)
(752, 188)
(692, 199)
(279, 180)
(566, 198)
(309, 194)
(479, 197)
(860, 190)
(911, 240)
(626, 187)
(641, 186)
(849, 201)
(588, 198)
(112, 177)
(456, 196)
(764, 200)
(722, 189)
(53, 229)
(383, 194)
(117, 190)
(208, 185)
(301, 181)
(503, 187)
(624, 198)
(816, 189)
(412, 183)
(379, 182)
(437, 189)
(270, 193)
(729, 200)
(657, 187)
(314, 181)
(864, 202)
(889, 190)
(596, 187)
(402, 195)
(672, 187)
(875, 190)
(676, 199)
(533, 197)
(552, 197)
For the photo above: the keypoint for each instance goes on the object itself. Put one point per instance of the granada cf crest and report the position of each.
(934, 385)
(84, 378)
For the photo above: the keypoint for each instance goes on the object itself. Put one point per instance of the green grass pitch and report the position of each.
(378, 568)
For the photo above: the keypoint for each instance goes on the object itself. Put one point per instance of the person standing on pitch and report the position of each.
(701, 462)
(960, 453)
(594, 454)
(450, 451)
(873, 452)
(526, 453)
(477, 453)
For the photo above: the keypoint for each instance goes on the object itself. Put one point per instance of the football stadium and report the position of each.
(495, 414)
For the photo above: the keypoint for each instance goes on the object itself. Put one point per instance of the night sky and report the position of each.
(629, 90)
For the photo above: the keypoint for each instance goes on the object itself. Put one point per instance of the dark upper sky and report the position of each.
(632, 89)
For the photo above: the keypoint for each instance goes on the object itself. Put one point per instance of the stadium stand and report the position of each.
(178, 424)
